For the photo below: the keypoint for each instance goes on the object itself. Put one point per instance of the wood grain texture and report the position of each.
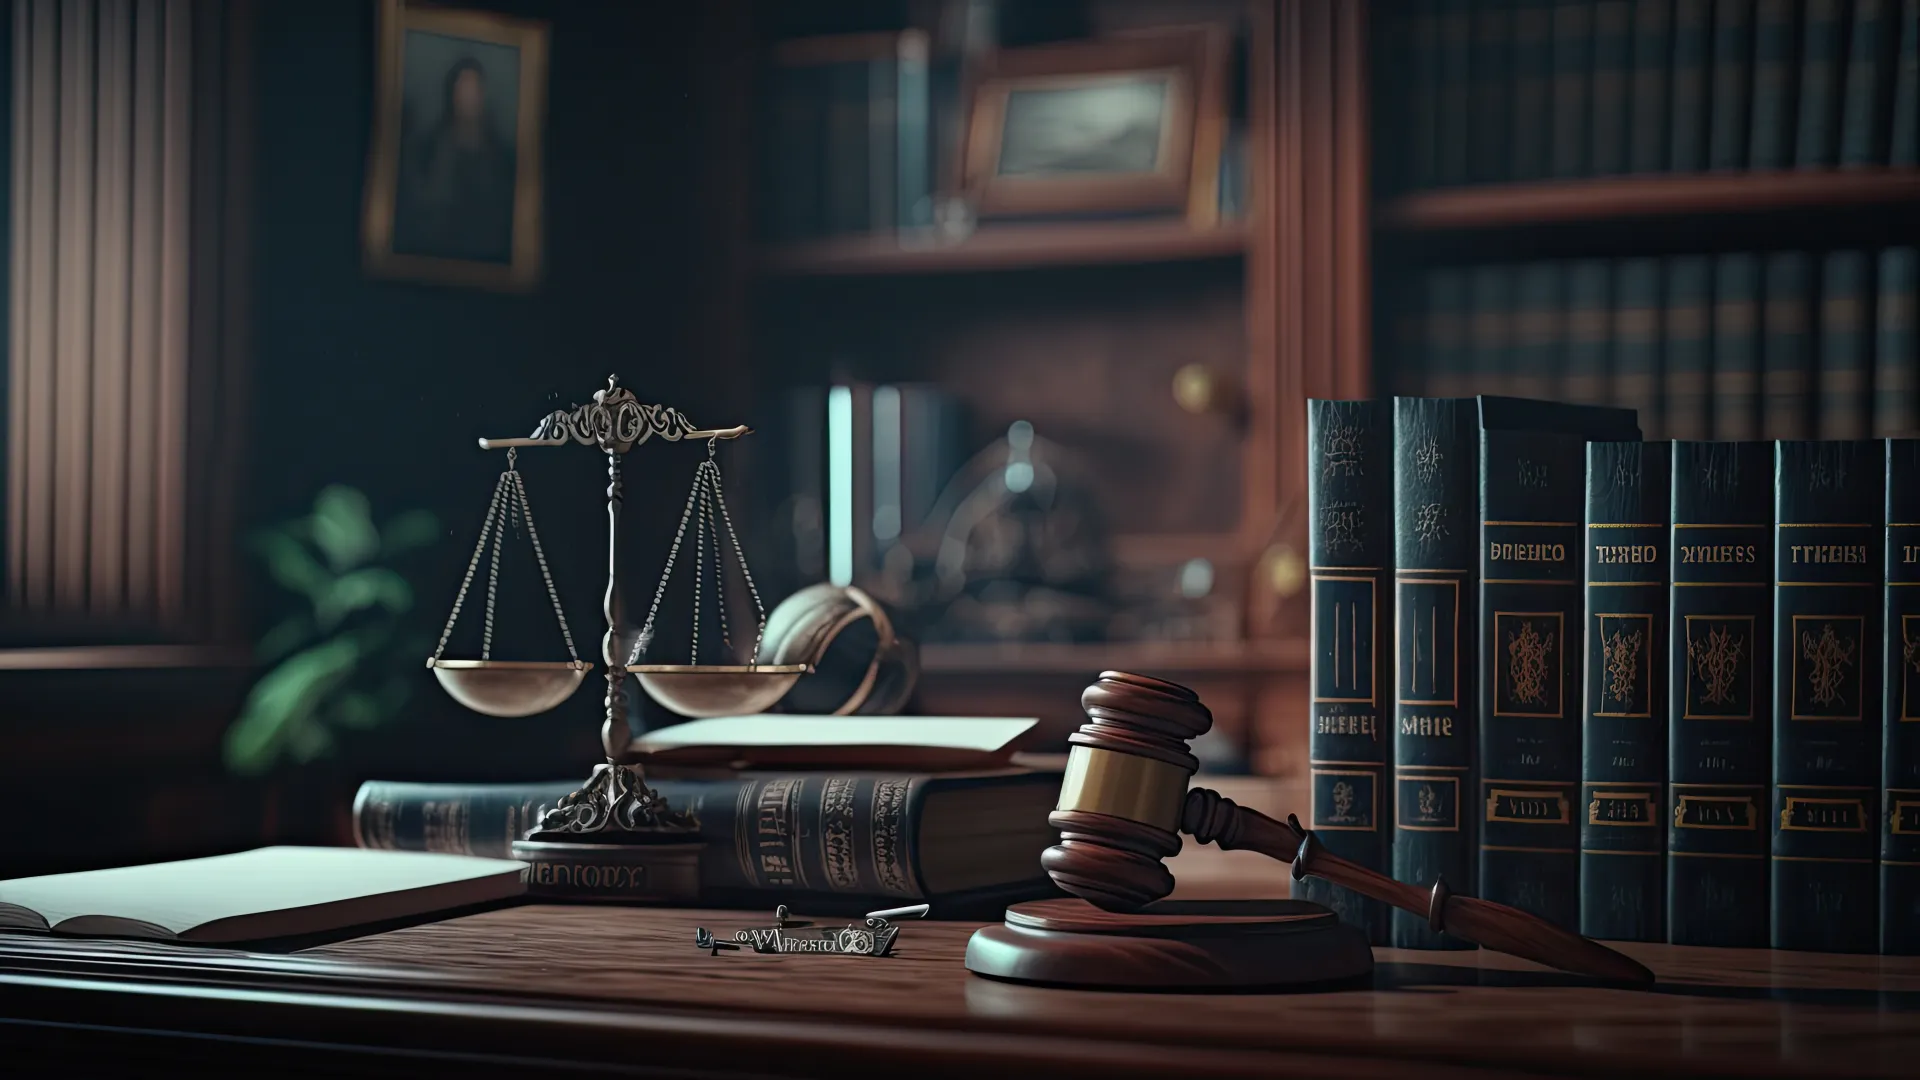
(1627, 197)
(578, 981)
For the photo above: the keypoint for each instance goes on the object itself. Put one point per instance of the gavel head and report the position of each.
(1125, 786)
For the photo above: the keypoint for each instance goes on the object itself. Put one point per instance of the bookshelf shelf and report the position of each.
(1046, 658)
(1008, 247)
(1622, 198)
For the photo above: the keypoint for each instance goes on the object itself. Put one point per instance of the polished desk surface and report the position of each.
(617, 988)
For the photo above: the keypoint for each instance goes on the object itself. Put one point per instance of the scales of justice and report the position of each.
(615, 816)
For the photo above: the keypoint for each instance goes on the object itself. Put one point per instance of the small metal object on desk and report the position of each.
(872, 938)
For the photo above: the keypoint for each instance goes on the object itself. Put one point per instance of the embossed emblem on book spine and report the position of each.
(1622, 654)
(889, 836)
(1343, 451)
(836, 833)
(1828, 658)
(1527, 653)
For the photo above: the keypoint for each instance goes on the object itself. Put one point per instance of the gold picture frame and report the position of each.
(457, 199)
(1168, 162)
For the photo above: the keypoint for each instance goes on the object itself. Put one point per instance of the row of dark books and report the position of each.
(1653, 691)
(1778, 345)
(1519, 90)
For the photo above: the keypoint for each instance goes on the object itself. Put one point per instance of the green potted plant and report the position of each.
(341, 662)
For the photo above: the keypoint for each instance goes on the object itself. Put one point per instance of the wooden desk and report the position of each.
(525, 991)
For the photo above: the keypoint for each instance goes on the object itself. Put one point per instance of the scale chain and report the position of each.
(553, 594)
(466, 582)
(493, 572)
(760, 612)
(646, 630)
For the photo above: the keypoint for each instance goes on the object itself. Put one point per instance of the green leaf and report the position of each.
(412, 530)
(283, 639)
(281, 707)
(357, 711)
(359, 590)
(308, 742)
(343, 527)
(291, 565)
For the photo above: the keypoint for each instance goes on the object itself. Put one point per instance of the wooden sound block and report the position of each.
(1171, 945)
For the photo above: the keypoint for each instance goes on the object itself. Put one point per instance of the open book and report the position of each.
(270, 893)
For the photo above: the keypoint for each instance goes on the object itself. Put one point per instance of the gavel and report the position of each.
(1125, 801)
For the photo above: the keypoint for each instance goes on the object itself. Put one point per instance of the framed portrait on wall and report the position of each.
(1131, 123)
(454, 184)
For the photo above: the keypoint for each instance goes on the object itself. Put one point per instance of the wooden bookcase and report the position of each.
(1079, 327)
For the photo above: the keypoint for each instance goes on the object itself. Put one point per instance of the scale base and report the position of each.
(615, 806)
(630, 873)
(1172, 945)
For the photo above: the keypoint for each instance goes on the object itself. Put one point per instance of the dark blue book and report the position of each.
(1732, 86)
(1492, 73)
(1846, 347)
(1829, 522)
(1437, 539)
(1692, 72)
(1736, 347)
(1900, 742)
(1687, 348)
(1896, 345)
(1650, 111)
(1350, 499)
(1823, 64)
(1532, 502)
(1871, 54)
(1572, 89)
(1770, 143)
(1904, 148)
(1532, 97)
(1454, 155)
(1786, 356)
(1612, 68)
(1718, 693)
(1623, 893)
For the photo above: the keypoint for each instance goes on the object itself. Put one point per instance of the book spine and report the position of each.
(1823, 57)
(1532, 90)
(913, 133)
(1692, 68)
(1423, 97)
(1448, 373)
(1435, 473)
(1688, 341)
(458, 819)
(1900, 741)
(1845, 367)
(1770, 143)
(1904, 148)
(1624, 751)
(1492, 72)
(1722, 632)
(1456, 93)
(1531, 489)
(1350, 500)
(790, 168)
(1489, 358)
(1784, 388)
(1652, 54)
(1538, 309)
(1588, 325)
(1572, 87)
(1826, 694)
(850, 148)
(1636, 341)
(1736, 361)
(1732, 92)
(1612, 57)
(883, 147)
(1896, 370)
(816, 832)
(1869, 84)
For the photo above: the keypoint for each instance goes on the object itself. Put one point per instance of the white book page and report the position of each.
(978, 734)
(172, 899)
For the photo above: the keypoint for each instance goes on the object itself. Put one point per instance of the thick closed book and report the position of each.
(1624, 752)
(1900, 741)
(1350, 499)
(270, 894)
(1437, 537)
(1826, 694)
(1532, 495)
(1718, 694)
(828, 837)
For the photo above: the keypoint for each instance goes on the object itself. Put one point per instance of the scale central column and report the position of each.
(614, 736)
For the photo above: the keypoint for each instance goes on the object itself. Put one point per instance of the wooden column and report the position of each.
(1307, 306)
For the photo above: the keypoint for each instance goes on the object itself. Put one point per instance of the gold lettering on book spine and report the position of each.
(773, 833)
(1527, 669)
(1828, 658)
(889, 837)
(836, 834)
(444, 826)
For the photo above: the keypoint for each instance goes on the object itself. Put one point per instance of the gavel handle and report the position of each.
(1211, 818)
